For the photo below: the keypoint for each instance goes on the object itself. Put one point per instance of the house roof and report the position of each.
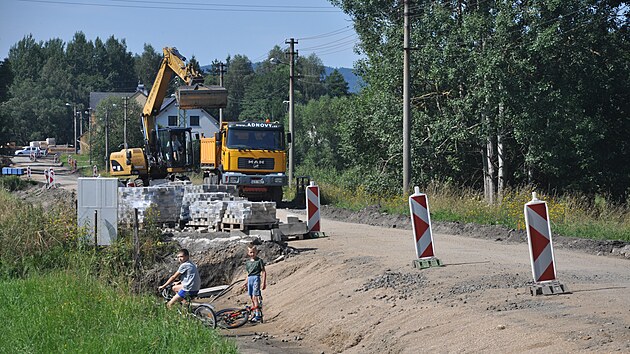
(96, 97)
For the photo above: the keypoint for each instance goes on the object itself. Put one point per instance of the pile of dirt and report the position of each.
(219, 257)
(48, 198)
(372, 215)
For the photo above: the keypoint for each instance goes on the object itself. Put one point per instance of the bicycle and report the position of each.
(231, 318)
(234, 317)
(203, 312)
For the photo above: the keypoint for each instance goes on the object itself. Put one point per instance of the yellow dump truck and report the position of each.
(250, 155)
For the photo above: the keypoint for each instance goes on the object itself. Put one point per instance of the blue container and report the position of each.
(5, 170)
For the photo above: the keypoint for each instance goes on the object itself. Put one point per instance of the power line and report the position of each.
(254, 8)
(333, 43)
(225, 5)
(328, 34)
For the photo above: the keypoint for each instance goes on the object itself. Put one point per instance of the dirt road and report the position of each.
(356, 292)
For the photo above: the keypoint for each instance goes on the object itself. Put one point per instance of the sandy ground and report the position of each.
(355, 291)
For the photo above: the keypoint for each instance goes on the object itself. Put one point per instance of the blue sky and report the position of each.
(207, 29)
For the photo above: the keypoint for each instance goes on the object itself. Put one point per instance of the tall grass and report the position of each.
(61, 294)
(63, 312)
(570, 215)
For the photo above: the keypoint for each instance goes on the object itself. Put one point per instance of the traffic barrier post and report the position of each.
(313, 223)
(46, 181)
(51, 179)
(423, 236)
(28, 172)
(541, 249)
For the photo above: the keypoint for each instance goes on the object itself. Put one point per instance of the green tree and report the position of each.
(110, 117)
(147, 65)
(336, 85)
(6, 124)
(236, 80)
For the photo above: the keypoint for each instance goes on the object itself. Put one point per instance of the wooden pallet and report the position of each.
(228, 224)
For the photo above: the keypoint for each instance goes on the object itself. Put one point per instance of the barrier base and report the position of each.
(316, 234)
(548, 288)
(426, 263)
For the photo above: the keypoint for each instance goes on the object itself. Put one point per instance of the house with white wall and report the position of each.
(197, 119)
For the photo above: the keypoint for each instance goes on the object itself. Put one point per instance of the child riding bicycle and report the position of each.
(189, 276)
(256, 273)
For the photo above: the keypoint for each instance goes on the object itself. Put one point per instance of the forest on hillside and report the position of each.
(503, 94)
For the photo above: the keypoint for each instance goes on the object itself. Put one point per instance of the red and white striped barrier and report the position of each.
(51, 179)
(312, 208)
(541, 248)
(421, 225)
(28, 172)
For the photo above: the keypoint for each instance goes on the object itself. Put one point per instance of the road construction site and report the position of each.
(355, 290)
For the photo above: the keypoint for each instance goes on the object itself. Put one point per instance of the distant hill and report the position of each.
(354, 82)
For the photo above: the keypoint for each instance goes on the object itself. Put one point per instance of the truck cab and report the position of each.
(250, 155)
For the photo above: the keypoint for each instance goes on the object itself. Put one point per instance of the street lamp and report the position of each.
(74, 115)
(89, 127)
(107, 137)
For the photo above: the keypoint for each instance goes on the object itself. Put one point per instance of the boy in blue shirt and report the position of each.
(256, 280)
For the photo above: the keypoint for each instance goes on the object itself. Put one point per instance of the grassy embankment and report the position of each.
(572, 216)
(63, 312)
(62, 295)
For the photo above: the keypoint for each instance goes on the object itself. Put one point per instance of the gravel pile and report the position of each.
(405, 284)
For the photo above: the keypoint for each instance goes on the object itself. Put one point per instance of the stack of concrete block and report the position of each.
(244, 212)
(165, 201)
(207, 213)
(204, 192)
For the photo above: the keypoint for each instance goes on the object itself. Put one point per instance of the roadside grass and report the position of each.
(14, 183)
(61, 294)
(570, 215)
(62, 312)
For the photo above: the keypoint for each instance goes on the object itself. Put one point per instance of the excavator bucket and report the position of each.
(201, 96)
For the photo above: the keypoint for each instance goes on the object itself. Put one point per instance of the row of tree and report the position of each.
(38, 79)
(505, 93)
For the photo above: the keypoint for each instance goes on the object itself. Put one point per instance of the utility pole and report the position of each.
(291, 42)
(406, 104)
(74, 113)
(221, 72)
(125, 102)
(107, 139)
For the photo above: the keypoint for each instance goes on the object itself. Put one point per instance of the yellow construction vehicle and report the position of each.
(167, 151)
(250, 155)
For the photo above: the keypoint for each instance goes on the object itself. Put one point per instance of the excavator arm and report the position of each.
(193, 95)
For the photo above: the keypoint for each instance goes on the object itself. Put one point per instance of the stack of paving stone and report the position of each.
(164, 200)
(243, 214)
(204, 192)
(207, 213)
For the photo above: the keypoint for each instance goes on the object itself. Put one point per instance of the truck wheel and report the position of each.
(276, 194)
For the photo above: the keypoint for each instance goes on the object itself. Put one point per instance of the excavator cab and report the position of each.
(176, 149)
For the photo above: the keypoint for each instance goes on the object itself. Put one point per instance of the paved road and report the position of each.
(64, 177)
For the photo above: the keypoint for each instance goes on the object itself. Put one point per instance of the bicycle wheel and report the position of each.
(205, 313)
(232, 318)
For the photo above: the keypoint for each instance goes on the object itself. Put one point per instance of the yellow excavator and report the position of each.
(168, 151)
